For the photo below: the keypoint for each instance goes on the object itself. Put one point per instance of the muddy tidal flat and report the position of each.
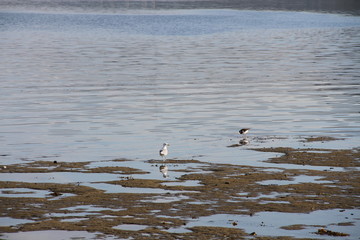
(204, 200)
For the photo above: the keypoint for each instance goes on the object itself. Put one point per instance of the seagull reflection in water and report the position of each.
(164, 170)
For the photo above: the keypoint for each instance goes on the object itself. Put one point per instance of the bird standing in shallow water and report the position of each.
(244, 131)
(164, 151)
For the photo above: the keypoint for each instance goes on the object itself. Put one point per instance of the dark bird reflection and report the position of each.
(244, 142)
(164, 170)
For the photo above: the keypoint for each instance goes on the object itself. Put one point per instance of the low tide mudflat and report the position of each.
(204, 201)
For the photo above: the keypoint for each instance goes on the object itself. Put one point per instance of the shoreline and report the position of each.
(179, 208)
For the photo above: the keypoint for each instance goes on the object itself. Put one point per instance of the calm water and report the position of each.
(97, 85)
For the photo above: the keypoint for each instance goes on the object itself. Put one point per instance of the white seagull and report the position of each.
(164, 151)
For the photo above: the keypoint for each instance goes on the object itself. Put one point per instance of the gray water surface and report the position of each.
(94, 86)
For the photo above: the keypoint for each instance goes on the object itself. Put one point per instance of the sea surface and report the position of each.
(90, 86)
(102, 83)
(101, 80)
(99, 84)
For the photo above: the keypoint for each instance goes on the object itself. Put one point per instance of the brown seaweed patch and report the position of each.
(53, 187)
(205, 233)
(120, 160)
(294, 227)
(345, 224)
(117, 170)
(175, 161)
(321, 139)
(315, 157)
(323, 231)
(138, 183)
(298, 227)
(49, 166)
(222, 189)
(46, 166)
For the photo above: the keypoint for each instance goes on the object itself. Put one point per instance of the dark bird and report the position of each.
(244, 131)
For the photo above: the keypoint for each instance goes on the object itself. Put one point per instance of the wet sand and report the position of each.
(219, 189)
